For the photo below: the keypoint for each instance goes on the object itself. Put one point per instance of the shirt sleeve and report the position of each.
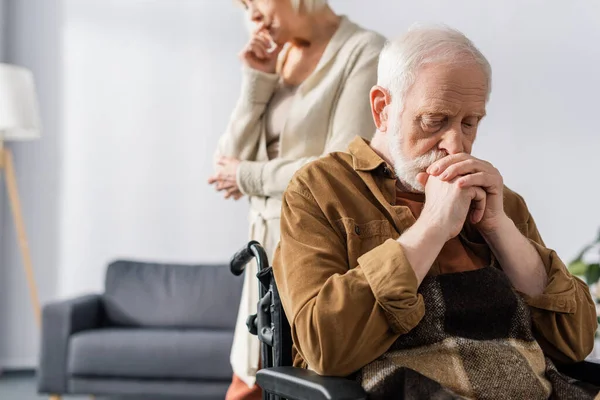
(342, 317)
(564, 315)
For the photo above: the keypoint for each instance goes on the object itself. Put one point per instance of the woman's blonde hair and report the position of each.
(309, 5)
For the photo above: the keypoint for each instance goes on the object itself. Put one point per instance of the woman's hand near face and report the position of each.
(260, 53)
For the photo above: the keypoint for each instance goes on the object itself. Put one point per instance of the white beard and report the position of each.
(406, 169)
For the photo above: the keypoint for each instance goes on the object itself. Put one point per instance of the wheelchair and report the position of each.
(279, 380)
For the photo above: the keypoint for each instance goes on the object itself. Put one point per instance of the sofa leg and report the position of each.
(55, 397)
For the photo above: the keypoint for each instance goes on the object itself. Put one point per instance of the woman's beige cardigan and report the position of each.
(329, 108)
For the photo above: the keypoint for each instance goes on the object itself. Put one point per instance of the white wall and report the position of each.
(2, 186)
(33, 41)
(148, 90)
(135, 94)
(2, 29)
(2, 59)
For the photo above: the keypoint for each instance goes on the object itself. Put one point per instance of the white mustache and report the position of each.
(407, 170)
(421, 163)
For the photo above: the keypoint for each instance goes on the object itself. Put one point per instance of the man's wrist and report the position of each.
(422, 243)
(504, 226)
(431, 232)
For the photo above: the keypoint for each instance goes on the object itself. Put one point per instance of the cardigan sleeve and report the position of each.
(241, 137)
(351, 117)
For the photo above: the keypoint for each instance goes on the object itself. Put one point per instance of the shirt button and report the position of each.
(357, 230)
(387, 172)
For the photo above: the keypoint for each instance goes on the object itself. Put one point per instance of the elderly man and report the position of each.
(407, 257)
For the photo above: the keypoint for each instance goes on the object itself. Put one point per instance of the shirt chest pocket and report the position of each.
(364, 237)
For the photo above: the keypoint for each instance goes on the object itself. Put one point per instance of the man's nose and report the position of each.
(452, 141)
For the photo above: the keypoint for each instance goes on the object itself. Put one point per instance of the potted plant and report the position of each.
(587, 266)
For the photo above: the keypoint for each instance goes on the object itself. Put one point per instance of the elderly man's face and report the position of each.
(441, 114)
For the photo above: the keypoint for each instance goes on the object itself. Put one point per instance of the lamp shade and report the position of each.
(19, 114)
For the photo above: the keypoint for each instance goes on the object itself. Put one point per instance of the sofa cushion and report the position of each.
(151, 354)
(171, 295)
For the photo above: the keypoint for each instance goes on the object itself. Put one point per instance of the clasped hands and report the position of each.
(458, 187)
(225, 177)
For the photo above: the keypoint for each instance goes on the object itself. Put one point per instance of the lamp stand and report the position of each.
(6, 164)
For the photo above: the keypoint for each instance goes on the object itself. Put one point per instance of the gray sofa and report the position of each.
(157, 330)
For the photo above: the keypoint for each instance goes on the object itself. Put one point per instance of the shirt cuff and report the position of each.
(249, 178)
(560, 292)
(394, 284)
(258, 86)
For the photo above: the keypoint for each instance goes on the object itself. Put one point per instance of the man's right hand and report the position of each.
(446, 209)
(256, 55)
(447, 205)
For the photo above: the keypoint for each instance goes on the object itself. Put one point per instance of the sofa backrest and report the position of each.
(171, 295)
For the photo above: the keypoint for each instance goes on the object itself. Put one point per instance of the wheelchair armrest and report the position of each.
(585, 371)
(302, 384)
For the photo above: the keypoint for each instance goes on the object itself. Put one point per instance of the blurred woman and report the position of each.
(307, 73)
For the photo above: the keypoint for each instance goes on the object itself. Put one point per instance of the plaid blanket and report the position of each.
(474, 342)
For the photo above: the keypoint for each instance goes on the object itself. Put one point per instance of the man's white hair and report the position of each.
(309, 5)
(401, 59)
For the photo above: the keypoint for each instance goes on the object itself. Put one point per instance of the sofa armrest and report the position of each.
(586, 371)
(301, 384)
(59, 321)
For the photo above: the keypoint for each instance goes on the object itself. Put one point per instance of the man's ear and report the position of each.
(380, 100)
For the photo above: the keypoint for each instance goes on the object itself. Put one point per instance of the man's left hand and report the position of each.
(225, 178)
(472, 171)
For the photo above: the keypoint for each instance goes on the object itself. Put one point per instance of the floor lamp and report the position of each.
(19, 120)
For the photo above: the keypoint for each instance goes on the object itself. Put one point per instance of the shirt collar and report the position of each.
(364, 158)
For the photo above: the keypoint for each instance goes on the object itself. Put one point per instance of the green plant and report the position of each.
(590, 271)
